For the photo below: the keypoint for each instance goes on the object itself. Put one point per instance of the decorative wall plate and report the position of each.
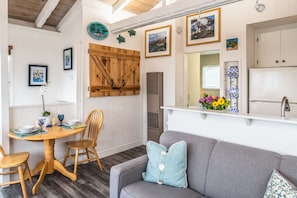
(97, 31)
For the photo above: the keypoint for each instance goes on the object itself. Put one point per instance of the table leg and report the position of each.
(49, 155)
(49, 165)
(37, 168)
(46, 166)
(40, 179)
(59, 167)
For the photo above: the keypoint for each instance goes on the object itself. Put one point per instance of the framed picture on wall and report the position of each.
(204, 27)
(37, 75)
(232, 44)
(67, 59)
(158, 42)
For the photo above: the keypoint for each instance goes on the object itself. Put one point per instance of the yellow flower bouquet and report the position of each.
(214, 102)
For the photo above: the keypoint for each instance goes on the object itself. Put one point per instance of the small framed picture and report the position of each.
(37, 75)
(158, 42)
(232, 44)
(67, 59)
(204, 27)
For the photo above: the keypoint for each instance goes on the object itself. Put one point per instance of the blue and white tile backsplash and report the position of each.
(232, 87)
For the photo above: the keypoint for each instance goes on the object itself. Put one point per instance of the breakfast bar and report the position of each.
(269, 132)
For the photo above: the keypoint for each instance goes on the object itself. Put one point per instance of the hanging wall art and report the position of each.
(158, 42)
(67, 59)
(97, 31)
(204, 27)
(37, 75)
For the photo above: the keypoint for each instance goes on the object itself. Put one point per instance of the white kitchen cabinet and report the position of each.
(276, 48)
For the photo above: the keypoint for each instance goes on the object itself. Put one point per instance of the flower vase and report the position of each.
(47, 120)
(216, 110)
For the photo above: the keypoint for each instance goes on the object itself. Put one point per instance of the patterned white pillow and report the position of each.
(280, 187)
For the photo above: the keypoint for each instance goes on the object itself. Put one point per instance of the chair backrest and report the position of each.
(94, 123)
(2, 153)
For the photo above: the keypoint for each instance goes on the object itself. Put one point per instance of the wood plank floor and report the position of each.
(91, 181)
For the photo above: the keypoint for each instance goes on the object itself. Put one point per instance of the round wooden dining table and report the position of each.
(49, 164)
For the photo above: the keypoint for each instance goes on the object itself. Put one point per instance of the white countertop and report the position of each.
(247, 117)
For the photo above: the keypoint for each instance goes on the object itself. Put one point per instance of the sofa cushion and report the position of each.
(239, 171)
(199, 149)
(280, 187)
(167, 166)
(150, 190)
(288, 168)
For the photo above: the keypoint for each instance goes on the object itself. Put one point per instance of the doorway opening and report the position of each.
(203, 75)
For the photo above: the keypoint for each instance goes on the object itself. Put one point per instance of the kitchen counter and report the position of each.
(247, 117)
(269, 132)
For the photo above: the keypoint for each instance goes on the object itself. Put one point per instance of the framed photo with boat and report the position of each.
(37, 75)
(204, 27)
(158, 42)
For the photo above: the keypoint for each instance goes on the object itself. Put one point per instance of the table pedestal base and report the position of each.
(49, 165)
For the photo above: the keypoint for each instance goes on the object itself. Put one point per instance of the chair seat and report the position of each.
(13, 160)
(79, 144)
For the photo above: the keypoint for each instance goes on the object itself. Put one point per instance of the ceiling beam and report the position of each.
(46, 11)
(119, 4)
(75, 9)
(171, 11)
(30, 24)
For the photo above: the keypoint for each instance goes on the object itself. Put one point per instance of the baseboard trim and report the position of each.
(119, 148)
(110, 151)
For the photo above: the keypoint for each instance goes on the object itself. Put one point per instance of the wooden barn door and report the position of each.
(113, 71)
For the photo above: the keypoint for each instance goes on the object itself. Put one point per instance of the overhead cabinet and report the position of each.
(277, 48)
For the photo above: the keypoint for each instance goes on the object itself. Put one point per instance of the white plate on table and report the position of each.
(73, 122)
(25, 130)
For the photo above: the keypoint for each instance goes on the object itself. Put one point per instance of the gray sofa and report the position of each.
(216, 169)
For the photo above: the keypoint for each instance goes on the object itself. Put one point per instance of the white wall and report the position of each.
(71, 37)
(179, 63)
(37, 47)
(122, 127)
(166, 64)
(4, 113)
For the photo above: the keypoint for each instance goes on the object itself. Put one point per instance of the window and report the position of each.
(211, 77)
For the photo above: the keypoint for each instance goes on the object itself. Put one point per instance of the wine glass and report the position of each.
(41, 122)
(60, 117)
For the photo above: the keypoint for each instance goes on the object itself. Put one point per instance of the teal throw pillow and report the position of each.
(167, 166)
(279, 187)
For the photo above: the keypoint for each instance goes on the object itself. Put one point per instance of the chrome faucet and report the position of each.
(284, 106)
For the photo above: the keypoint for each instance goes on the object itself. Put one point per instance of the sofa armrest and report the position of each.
(126, 173)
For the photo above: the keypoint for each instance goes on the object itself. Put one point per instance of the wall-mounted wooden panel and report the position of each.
(113, 71)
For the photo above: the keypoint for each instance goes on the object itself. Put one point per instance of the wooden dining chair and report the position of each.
(88, 141)
(15, 162)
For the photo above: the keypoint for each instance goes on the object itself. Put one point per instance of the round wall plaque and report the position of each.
(97, 31)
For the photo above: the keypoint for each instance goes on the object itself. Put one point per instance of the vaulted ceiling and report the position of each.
(47, 14)
(136, 6)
